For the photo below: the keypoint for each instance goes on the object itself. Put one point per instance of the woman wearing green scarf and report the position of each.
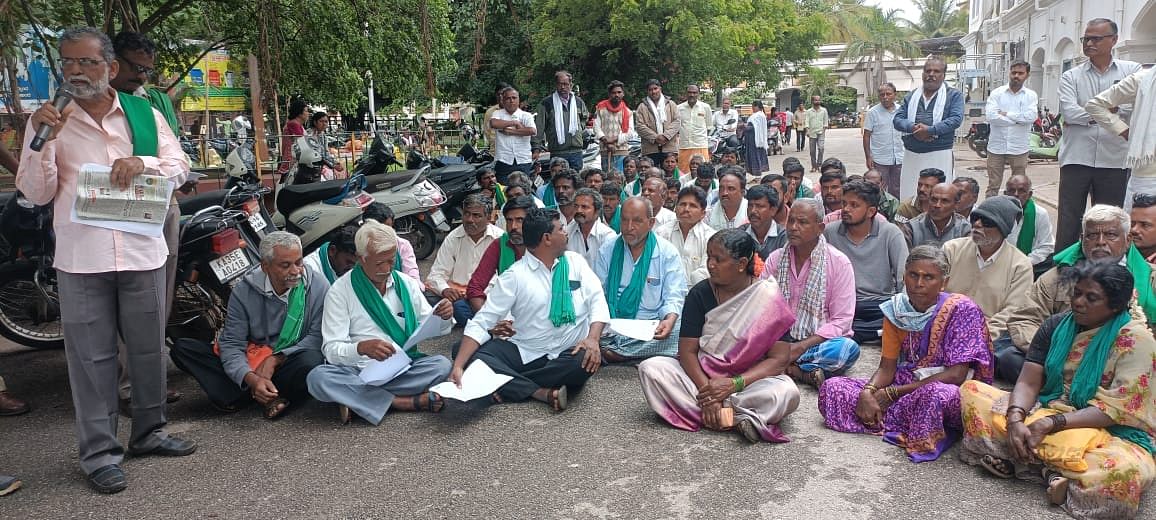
(1083, 414)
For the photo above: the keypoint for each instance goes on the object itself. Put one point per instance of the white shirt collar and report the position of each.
(984, 264)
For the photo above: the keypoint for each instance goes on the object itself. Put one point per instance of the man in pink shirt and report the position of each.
(819, 283)
(111, 283)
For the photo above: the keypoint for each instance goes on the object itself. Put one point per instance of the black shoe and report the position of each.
(169, 447)
(108, 479)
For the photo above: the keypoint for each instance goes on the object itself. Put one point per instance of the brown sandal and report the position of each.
(558, 399)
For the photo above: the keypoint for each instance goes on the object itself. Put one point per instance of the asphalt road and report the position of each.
(608, 456)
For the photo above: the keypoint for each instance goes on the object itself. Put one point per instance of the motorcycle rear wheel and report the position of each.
(419, 233)
(197, 313)
(29, 315)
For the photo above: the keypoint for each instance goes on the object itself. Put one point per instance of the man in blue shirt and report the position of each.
(929, 117)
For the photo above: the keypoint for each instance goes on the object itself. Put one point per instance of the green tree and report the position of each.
(884, 41)
(938, 18)
(817, 81)
(844, 18)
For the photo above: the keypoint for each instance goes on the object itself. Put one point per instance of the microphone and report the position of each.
(63, 97)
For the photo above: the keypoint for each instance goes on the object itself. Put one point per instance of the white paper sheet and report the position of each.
(378, 373)
(431, 327)
(641, 330)
(479, 380)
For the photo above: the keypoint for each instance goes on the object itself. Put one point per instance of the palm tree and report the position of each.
(938, 18)
(884, 40)
(817, 81)
(846, 19)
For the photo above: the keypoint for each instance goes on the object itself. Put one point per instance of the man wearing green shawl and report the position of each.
(501, 253)
(551, 347)
(1104, 237)
(335, 257)
(643, 279)
(271, 339)
(1033, 233)
(369, 316)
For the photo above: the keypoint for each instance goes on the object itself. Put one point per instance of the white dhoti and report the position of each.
(913, 163)
(1142, 180)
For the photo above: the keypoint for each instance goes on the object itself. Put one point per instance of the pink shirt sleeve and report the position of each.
(408, 260)
(840, 296)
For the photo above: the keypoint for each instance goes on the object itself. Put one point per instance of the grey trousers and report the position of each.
(172, 239)
(818, 145)
(95, 309)
(343, 385)
(892, 177)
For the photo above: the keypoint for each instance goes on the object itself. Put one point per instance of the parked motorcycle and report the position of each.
(773, 144)
(29, 298)
(457, 181)
(977, 138)
(1043, 146)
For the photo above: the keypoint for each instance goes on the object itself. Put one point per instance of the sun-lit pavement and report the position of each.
(606, 457)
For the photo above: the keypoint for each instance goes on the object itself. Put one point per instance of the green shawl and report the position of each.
(1087, 377)
(548, 197)
(159, 99)
(326, 268)
(625, 305)
(561, 296)
(506, 254)
(141, 123)
(1139, 267)
(380, 313)
(616, 221)
(291, 330)
(1027, 228)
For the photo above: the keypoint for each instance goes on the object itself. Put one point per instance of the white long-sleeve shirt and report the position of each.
(1043, 244)
(1010, 131)
(692, 249)
(588, 246)
(346, 322)
(458, 257)
(523, 292)
(1122, 93)
(1084, 141)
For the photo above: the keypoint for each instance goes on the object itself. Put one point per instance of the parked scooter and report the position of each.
(773, 140)
(457, 181)
(977, 138)
(29, 301)
(1043, 146)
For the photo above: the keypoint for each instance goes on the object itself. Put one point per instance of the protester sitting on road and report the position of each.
(940, 223)
(832, 177)
(985, 268)
(1143, 218)
(918, 204)
(728, 157)
(592, 178)
(969, 195)
(488, 182)
(689, 176)
(818, 282)
(563, 186)
(459, 254)
(586, 234)
(932, 342)
(643, 279)
(731, 209)
(408, 260)
(743, 374)
(705, 177)
(1032, 234)
(612, 196)
(550, 347)
(271, 339)
(877, 250)
(543, 184)
(369, 315)
(335, 257)
(889, 205)
(1088, 371)
(782, 187)
(794, 170)
(672, 187)
(654, 190)
(670, 168)
(501, 253)
(632, 175)
(689, 234)
(763, 207)
(1103, 239)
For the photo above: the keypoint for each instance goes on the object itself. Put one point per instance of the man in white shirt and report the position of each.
(514, 128)
(882, 143)
(460, 253)
(1092, 156)
(654, 188)
(335, 257)
(369, 315)
(586, 233)
(551, 347)
(689, 234)
(1011, 111)
(695, 119)
(726, 121)
(242, 126)
(1035, 240)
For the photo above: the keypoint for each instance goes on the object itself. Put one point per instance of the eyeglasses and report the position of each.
(139, 69)
(86, 63)
(1095, 39)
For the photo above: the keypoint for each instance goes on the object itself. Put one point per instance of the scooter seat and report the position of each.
(452, 170)
(195, 203)
(5, 198)
(385, 181)
(297, 195)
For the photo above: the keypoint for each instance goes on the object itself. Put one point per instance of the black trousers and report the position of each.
(198, 360)
(503, 357)
(1077, 182)
(1009, 360)
(868, 320)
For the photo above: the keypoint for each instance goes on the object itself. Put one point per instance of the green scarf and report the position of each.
(379, 312)
(398, 266)
(561, 297)
(1139, 267)
(1027, 228)
(625, 305)
(291, 330)
(159, 100)
(616, 221)
(141, 123)
(499, 196)
(637, 189)
(326, 268)
(506, 255)
(1087, 377)
(548, 197)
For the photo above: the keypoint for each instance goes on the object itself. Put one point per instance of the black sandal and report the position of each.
(276, 408)
(434, 405)
(1001, 468)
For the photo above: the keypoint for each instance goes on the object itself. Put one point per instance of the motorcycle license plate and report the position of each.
(233, 264)
(257, 221)
(439, 218)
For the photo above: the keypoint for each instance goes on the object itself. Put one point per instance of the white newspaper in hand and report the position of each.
(477, 381)
(146, 200)
(641, 330)
(378, 373)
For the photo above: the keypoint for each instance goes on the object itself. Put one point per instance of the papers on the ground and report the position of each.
(140, 209)
(641, 330)
(378, 373)
(478, 380)
(431, 327)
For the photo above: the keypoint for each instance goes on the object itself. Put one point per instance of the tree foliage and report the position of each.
(938, 18)
(883, 41)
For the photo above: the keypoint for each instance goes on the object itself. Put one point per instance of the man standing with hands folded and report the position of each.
(112, 283)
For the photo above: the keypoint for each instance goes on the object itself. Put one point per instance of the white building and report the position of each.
(1046, 34)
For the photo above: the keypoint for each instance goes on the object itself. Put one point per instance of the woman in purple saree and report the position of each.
(932, 342)
(730, 360)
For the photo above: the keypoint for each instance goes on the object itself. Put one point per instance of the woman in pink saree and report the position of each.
(730, 361)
